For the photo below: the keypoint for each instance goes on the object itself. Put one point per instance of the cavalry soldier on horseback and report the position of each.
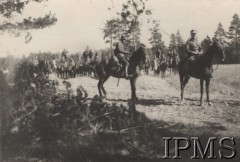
(64, 54)
(194, 50)
(35, 61)
(86, 54)
(158, 53)
(90, 54)
(120, 53)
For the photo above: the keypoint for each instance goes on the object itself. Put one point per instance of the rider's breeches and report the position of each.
(123, 61)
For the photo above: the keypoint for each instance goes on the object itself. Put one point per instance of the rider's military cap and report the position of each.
(193, 31)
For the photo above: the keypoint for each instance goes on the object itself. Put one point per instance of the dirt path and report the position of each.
(160, 101)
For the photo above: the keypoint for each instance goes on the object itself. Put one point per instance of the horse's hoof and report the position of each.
(201, 104)
(102, 97)
(135, 100)
(210, 103)
(182, 100)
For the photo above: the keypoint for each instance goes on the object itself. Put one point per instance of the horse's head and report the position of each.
(218, 49)
(139, 56)
(142, 52)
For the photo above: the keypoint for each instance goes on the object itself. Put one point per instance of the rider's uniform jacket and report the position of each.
(35, 62)
(119, 50)
(158, 53)
(193, 48)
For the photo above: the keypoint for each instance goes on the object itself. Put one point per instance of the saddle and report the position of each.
(114, 64)
(190, 59)
(193, 65)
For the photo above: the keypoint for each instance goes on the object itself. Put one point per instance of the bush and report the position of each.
(46, 124)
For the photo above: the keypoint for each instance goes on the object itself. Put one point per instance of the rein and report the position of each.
(217, 65)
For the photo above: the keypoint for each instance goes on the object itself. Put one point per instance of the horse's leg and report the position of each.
(184, 81)
(207, 91)
(133, 87)
(201, 91)
(57, 74)
(100, 83)
(60, 73)
(182, 88)
(104, 80)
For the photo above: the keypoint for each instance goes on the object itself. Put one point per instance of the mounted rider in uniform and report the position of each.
(158, 53)
(121, 54)
(86, 55)
(64, 55)
(194, 50)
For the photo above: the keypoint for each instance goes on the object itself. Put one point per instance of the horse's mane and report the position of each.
(210, 48)
(210, 51)
(136, 54)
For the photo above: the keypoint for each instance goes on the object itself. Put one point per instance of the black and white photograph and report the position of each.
(120, 81)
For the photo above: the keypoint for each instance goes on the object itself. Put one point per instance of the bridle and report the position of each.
(218, 62)
(217, 65)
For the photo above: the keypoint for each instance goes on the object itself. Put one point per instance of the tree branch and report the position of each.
(28, 24)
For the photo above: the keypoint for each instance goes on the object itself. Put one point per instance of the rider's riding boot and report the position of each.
(126, 72)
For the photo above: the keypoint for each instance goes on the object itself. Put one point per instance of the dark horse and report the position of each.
(105, 70)
(201, 68)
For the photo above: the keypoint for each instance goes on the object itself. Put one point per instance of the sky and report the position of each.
(80, 22)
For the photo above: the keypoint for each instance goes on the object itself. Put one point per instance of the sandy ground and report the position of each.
(160, 101)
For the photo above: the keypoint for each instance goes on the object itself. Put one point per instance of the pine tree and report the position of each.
(221, 34)
(112, 31)
(156, 37)
(180, 45)
(173, 42)
(206, 43)
(234, 31)
(10, 8)
(233, 51)
(179, 39)
(131, 12)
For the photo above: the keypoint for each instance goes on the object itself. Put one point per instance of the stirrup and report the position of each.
(128, 77)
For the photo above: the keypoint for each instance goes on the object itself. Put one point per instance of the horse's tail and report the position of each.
(118, 82)
(97, 70)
